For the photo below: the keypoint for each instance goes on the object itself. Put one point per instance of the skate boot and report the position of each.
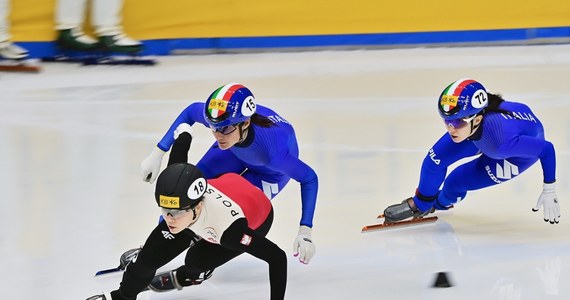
(114, 295)
(406, 209)
(164, 282)
(75, 39)
(104, 296)
(168, 281)
(128, 257)
(9, 50)
(120, 43)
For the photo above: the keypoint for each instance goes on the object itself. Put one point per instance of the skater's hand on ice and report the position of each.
(550, 275)
(183, 127)
(549, 201)
(303, 246)
(150, 166)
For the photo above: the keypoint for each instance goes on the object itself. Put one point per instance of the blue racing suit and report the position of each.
(507, 145)
(268, 157)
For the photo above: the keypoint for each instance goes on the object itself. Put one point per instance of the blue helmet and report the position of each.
(461, 99)
(230, 104)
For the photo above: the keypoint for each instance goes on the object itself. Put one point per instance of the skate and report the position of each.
(121, 50)
(9, 50)
(13, 59)
(120, 43)
(167, 281)
(73, 46)
(99, 57)
(164, 282)
(126, 258)
(27, 66)
(104, 296)
(75, 39)
(399, 215)
(406, 209)
(76, 47)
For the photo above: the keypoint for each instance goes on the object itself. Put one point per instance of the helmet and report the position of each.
(180, 186)
(462, 98)
(230, 104)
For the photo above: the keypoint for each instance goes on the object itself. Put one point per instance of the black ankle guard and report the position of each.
(425, 198)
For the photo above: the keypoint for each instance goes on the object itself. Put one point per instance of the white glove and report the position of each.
(549, 201)
(150, 166)
(183, 127)
(303, 245)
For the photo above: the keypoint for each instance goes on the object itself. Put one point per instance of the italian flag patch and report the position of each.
(220, 99)
(451, 94)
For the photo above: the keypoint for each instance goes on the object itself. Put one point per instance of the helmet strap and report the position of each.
(242, 133)
(194, 213)
(474, 127)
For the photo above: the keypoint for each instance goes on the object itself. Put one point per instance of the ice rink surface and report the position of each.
(72, 139)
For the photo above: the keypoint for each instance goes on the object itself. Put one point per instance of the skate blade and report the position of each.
(399, 224)
(102, 59)
(109, 271)
(19, 67)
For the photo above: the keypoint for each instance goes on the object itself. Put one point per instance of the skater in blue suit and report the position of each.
(507, 136)
(251, 140)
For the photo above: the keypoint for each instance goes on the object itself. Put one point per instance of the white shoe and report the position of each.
(9, 50)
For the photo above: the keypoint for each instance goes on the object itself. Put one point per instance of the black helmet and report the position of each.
(180, 186)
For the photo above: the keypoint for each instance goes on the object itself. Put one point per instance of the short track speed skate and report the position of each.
(398, 215)
(385, 225)
(14, 58)
(167, 281)
(94, 58)
(127, 257)
(75, 47)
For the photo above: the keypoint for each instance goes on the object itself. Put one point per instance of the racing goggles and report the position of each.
(459, 123)
(175, 213)
(225, 130)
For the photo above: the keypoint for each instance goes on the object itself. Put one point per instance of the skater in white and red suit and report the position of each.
(228, 214)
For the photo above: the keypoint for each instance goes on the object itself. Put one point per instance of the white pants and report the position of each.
(105, 15)
(4, 26)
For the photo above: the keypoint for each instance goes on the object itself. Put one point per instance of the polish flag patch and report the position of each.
(246, 240)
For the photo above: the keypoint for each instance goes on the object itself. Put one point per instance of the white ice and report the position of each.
(72, 199)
